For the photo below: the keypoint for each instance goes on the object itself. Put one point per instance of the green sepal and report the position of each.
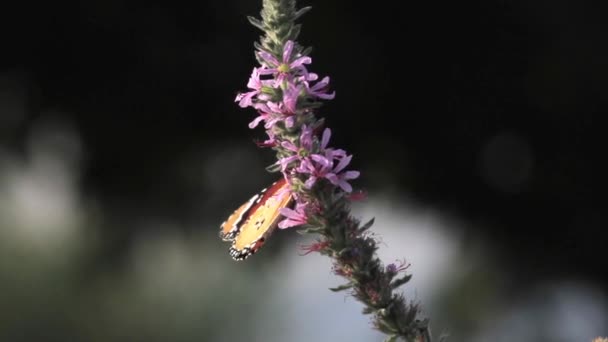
(316, 222)
(318, 124)
(268, 90)
(392, 338)
(307, 51)
(273, 168)
(368, 310)
(341, 288)
(297, 185)
(294, 32)
(301, 12)
(398, 282)
(367, 225)
(311, 230)
(256, 22)
(386, 326)
(343, 252)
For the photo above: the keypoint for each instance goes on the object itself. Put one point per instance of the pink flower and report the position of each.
(282, 68)
(270, 142)
(323, 165)
(288, 105)
(255, 84)
(295, 217)
(266, 115)
(303, 154)
(272, 113)
(372, 294)
(320, 89)
(299, 153)
(342, 270)
(395, 268)
(315, 247)
(357, 196)
(338, 178)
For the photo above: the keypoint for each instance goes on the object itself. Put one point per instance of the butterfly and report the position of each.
(253, 222)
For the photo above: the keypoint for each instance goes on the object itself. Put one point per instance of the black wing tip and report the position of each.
(227, 236)
(240, 255)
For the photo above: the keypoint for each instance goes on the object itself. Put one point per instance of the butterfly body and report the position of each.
(251, 224)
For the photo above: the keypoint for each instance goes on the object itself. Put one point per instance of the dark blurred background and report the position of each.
(118, 125)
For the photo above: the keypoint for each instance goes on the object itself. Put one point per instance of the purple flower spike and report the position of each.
(295, 217)
(286, 97)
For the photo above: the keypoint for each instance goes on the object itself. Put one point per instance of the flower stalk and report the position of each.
(286, 97)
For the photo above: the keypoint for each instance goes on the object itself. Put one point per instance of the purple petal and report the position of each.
(351, 174)
(287, 50)
(306, 167)
(271, 122)
(300, 72)
(301, 207)
(320, 90)
(289, 145)
(289, 122)
(290, 99)
(254, 80)
(274, 107)
(332, 154)
(310, 182)
(324, 162)
(262, 107)
(290, 213)
(306, 137)
(333, 178)
(253, 124)
(326, 96)
(245, 100)
(288, 223)
(345, 186)
(343, 163)
(321, 84)
(325, 139)
(284, 162)
(300, 61)
(312, 77)
(269, 71)
(269, 58)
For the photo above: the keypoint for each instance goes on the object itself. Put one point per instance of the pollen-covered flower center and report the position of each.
(284, 68)
(303, 153)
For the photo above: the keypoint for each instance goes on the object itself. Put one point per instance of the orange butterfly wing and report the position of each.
(250, 225)
(230, 228)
